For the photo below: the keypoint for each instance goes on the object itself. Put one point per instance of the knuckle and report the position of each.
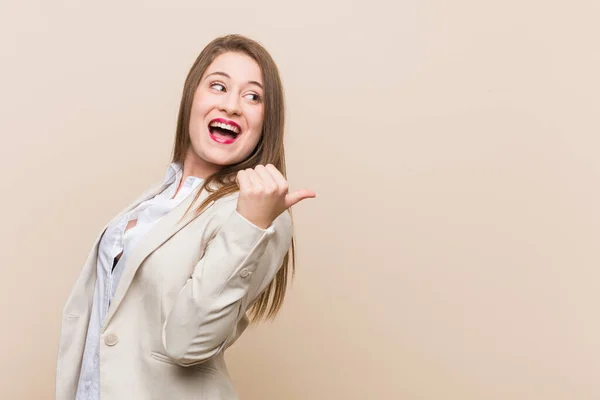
(271, 189)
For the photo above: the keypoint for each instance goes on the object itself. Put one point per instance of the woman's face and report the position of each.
(227, 114)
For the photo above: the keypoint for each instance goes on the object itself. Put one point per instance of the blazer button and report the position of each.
(111, 339)
(245, 273)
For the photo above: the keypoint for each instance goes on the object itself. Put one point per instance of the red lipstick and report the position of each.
(226, 121)
(222, 139)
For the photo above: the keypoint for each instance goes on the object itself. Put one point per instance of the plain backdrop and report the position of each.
(453, 250)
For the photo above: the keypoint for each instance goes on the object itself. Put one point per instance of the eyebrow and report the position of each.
(227, 76)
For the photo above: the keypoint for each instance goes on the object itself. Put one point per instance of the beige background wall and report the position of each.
(453, 250)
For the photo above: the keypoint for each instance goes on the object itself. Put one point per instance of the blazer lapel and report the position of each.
(164, 229)
(153, 191)
(83, 290)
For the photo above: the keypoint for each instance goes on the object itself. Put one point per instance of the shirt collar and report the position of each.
(174, 172)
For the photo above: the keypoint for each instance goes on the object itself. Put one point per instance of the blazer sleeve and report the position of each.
(240, 260)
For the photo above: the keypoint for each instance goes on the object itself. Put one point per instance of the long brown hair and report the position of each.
(269, 149)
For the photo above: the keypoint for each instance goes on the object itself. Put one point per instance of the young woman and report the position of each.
(176, 277)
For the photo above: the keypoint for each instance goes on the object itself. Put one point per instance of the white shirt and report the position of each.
(114, 241)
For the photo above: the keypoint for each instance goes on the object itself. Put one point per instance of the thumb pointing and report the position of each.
(298, 196)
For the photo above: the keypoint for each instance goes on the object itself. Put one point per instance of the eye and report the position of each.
(253, 96)
(217, 86)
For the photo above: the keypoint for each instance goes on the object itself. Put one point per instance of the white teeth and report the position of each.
(225, 126)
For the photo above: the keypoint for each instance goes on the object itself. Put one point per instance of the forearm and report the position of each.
(238, 261)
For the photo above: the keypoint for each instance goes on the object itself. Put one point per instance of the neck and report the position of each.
(195, 166)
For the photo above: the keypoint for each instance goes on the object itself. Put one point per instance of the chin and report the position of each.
(221, 160)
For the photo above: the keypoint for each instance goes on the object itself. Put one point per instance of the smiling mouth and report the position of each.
(223, 132)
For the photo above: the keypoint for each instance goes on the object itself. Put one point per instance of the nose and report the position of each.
(231, 104)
